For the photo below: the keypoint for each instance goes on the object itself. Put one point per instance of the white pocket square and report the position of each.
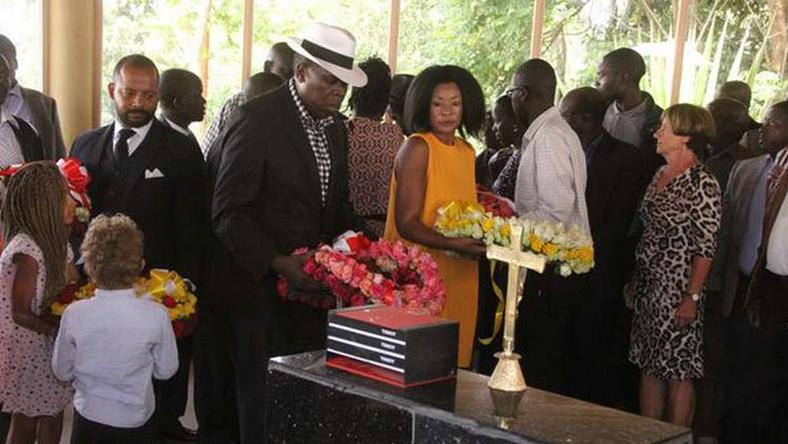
(153, 174)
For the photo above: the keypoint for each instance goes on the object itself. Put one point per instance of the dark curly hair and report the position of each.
(419, 98)
(371, 100)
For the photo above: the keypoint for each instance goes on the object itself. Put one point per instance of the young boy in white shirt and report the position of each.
(111, 345)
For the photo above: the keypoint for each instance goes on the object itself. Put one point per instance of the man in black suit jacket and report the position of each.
(37, 109)
(20, 138)
(25, 139)
(613, 188)
(153, 174)
(278, 182)
(181, 101)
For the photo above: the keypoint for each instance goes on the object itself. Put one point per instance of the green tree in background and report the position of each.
(728, 39)
(488, 37)
(368, 20)
(171, 33)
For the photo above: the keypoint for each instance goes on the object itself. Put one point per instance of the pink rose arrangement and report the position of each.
(379, 272)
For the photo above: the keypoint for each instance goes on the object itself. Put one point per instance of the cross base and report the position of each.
(507, 376)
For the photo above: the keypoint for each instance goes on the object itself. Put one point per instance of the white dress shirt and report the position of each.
(185, 131)
(110, 346)
(551, 179)
(777, 250)
(626, 125)
(10, 150)
(133, 141)
(17, 106)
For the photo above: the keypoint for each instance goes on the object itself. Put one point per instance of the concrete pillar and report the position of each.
(72, 61)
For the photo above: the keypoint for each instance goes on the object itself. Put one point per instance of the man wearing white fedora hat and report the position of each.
(278, 182)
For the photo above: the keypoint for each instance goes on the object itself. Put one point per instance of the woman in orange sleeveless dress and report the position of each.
(434, 167)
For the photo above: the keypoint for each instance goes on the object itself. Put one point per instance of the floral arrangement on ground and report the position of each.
(357, 271)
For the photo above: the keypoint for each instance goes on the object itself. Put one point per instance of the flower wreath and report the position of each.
(357, 272)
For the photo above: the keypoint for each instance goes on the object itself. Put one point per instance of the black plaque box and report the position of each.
(392, 345)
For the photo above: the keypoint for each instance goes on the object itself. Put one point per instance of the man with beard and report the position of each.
(153, 174)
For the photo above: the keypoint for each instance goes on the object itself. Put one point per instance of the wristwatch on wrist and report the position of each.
(695, 296)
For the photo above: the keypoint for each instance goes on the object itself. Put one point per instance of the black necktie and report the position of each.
(122, 148)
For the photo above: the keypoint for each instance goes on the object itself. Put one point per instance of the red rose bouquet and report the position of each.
(357, 271)
(496, 205)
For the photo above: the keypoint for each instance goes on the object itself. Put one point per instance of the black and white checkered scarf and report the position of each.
(316, 133)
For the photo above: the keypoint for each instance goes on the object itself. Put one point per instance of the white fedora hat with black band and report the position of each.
(331, 47)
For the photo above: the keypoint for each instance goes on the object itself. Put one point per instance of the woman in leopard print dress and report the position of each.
(681, 216)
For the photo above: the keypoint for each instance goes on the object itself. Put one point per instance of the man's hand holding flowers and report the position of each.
(292, 269)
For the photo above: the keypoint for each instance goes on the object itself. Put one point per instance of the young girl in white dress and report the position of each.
(35, 215)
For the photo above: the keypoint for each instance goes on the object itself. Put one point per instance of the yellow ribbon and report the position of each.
(166, 283)
(498, 320)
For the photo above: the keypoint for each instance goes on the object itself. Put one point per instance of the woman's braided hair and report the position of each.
(33, 205)
(372, 99)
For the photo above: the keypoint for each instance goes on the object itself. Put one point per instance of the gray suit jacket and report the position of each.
(736, 207)
(44, 111)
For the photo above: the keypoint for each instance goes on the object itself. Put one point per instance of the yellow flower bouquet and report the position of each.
(570, 249)
(463, 219)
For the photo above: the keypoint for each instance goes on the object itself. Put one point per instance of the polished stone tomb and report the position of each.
(310, 403)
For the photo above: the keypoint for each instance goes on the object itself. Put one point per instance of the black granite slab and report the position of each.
(308, 402)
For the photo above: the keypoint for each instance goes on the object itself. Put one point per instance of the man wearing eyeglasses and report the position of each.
(551, 178)
(551, 186)
(153, 174)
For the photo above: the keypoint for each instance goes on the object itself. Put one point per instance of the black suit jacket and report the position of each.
(191, 137)
(265, 197)
(44, 112)
(169, 210)
(613, 190)
(29, 142)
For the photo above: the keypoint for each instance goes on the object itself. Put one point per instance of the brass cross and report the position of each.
(507, 375)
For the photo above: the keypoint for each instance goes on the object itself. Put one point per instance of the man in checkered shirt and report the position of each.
(551, 186)
(278, 62)
(278, 182)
